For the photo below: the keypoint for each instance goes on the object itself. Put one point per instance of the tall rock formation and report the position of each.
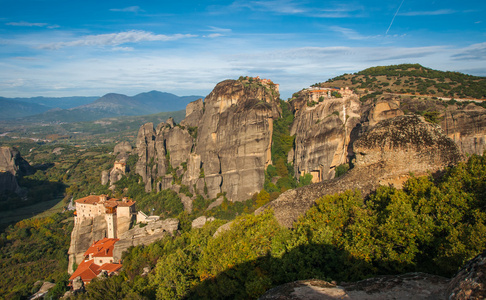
(11, 166)
(122, 151)
(223, 145)
(467, 127)
(323, 134)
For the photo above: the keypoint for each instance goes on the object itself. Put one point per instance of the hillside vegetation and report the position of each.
(413, 79)
(432, 225)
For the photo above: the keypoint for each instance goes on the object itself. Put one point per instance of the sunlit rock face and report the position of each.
(323, 135)
(223, 145)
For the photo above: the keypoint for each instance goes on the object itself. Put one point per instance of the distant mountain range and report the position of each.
(79, 109)
(12, 108)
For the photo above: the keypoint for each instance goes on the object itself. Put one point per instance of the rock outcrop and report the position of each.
(122, 151)
(386, 154)
(11, 166)
(144, 235)
(467, 128)
(418, 286)
(224, 144)
(201, 221)
(82, 236)
(323, 135)
(468, 283)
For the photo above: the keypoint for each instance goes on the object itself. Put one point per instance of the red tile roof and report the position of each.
(110, 268)
(87, 270)
(102, 248)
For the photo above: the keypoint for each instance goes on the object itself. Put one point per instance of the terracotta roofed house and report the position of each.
(98, 258)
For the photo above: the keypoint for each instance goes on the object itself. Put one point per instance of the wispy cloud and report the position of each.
(133, 9)
(290, 7)
(278, 6)
(216, 32)
(350, 33)
(473, 52)
(115, 39)
(218, 29)
(428, 13)
(29, 24)
(337, 11)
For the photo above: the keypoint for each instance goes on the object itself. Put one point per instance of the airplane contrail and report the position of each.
(396, 13)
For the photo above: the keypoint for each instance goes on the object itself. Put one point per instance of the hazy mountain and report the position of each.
(11, 109)
(59, 102)
(115, 105)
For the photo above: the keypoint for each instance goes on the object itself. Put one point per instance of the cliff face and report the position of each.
(224, 144)
(464, 124)
(467, 127)
(11, 166)
(386, 154)
(82, 236)
(323, 134)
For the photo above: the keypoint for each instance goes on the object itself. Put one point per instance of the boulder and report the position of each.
(468, 283)
(201, 221)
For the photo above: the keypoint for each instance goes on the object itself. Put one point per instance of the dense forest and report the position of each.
(433, 225)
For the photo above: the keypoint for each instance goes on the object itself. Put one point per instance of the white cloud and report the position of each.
(278, 6)
(350, 33)
(473, 52)
(134, 9)
(218, 29)
(115, 39)
(128, 49)
(197, 71)
(428, 13)
(28, 24)
(213, 35)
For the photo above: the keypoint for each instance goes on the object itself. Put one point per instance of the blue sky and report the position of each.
(67, 48)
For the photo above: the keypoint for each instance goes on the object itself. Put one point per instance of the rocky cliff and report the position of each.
(122, 151)
(467, 127)
(323, 135)
(11, 166)
(464, 124)
(223, 144)
(386, 154)
(82, 236)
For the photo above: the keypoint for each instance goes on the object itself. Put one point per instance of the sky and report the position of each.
(63, 48)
